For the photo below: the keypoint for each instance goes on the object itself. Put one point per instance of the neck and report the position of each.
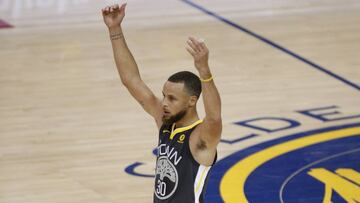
(189, 118)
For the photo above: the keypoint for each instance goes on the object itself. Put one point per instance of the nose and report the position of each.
(164, 102)
(165, 106)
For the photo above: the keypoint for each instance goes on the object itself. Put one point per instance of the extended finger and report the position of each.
(196, 43)
(193, 46)
(202, 44)
(190, 50)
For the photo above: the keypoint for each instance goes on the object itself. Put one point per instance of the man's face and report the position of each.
(175, 102)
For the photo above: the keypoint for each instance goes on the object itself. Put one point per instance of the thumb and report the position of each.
(122, 7)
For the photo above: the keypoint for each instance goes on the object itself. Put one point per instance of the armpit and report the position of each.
(201, 145)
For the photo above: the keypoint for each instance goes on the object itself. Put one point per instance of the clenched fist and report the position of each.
(113, 15)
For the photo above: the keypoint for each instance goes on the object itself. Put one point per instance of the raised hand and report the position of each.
(199, 52)
(113, 15)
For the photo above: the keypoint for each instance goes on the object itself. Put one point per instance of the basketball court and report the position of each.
(288, 73)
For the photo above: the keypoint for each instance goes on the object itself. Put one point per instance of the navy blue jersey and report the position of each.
(178, 177)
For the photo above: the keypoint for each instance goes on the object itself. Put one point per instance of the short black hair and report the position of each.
(191, 82)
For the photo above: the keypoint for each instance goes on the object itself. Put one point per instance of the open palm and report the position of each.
(113, 15)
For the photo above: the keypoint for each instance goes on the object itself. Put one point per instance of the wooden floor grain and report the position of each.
(68, 128)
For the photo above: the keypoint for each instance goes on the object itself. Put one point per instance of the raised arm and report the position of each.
(210, 130)
(126, 65)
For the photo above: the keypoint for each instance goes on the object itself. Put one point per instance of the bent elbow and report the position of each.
(125, 82)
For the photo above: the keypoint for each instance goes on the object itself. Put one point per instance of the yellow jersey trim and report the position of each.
(182, 129)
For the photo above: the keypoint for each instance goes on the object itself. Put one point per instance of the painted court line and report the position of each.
(273, 44)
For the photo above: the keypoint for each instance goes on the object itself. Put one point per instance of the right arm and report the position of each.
(126, 65)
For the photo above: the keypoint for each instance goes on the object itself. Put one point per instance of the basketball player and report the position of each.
(187, 145)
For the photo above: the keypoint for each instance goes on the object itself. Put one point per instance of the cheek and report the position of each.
(180, 106)
(174, 106)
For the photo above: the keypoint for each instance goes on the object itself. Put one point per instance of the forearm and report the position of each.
(211, 97)
(124, 60)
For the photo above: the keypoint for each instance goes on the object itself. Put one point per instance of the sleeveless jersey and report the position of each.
(178, 177)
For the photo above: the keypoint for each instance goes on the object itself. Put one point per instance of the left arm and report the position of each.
(210, 129)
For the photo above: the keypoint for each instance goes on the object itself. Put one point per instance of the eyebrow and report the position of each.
(170, 95)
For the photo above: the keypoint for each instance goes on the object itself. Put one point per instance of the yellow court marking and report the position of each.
(345, 188)
(233, 182)
(349, 174)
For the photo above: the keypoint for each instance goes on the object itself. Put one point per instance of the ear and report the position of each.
(193, 100)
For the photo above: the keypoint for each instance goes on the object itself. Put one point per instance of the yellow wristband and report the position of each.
(206, 80)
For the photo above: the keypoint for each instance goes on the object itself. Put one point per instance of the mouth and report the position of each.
(166, 112)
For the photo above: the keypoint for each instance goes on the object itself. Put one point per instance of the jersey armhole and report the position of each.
(192, 157)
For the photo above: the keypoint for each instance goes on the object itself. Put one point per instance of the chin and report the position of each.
(166, 121)
(170, 119)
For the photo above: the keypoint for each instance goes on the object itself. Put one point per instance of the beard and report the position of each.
(172, 119)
